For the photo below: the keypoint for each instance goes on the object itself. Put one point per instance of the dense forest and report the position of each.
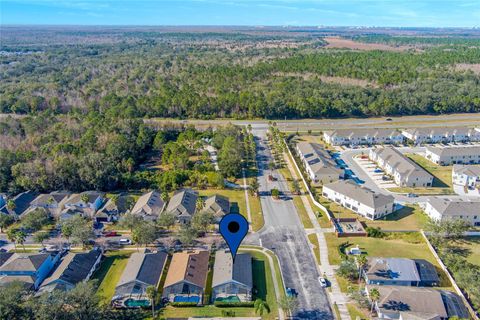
(150, 73)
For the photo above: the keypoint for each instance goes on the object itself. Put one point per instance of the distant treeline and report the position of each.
(235, 75)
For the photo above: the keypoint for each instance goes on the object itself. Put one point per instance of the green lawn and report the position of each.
(409, 218)
(355, 312)
(401, 245)
(472, 246)
(256, 211)
(204, 311)
(110, 272)
(307, 223)
(314, 241)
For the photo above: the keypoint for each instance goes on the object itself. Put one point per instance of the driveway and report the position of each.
(283, 233)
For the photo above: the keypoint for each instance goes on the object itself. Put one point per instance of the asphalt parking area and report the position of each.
(369, 167)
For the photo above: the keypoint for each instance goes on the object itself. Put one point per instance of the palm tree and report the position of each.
(11, 205)
(152, 294)
(21, 237)
(374, 297)
(261, 307)
(84, 198)
(200, 204)
(253, 187)
(361, 262)
(115, 199)
(12, 237)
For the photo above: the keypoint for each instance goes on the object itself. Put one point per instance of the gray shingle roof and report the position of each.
(350, 133)
(396, 269)
(56, 197)
(319, 160)
(448, 207)
(469, 170)
(218, 205)
(240, 271)
(24, 262)
(361, 194)
(92, 196)
(144, 267)
(455, 151)
(405, 166)
(150, 203)
(183, 202)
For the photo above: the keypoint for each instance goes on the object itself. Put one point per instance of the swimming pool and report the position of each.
(132, 303)
(195, 299)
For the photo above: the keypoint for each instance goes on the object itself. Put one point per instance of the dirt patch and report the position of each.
(475, 67)
(336, 42)
(328, 79)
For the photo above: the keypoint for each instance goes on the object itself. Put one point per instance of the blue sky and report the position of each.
(395, 13)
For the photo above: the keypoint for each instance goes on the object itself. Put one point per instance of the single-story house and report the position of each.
(22, 203)
(183, 205)
(34, 266)
(400, 272)
(86, 204)
(53, 202)
(73, 269)
(149, 206)
(144, 269)
(113, 209)
(217, 205)
(187, 276)
(232, 280)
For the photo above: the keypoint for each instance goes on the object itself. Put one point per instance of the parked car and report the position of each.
(111, 234)
(125, 241)
(378, 170)
(291, 292)
(323, 282)
(412, 195)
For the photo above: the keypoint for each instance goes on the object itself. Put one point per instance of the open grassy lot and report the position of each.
(110, 272)
(472, 247)
(401, 245)
(356, 313)
(409, 218)
(256, 211)
(263, 282)
(307, 223)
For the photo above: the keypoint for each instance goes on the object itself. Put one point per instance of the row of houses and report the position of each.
(467, 176)
(391, 136)
(48, 271)
(446, 156)
(186, 278)
(319, 165)
(401, 283)
(405, 172)
(94, 204)
(440, 208)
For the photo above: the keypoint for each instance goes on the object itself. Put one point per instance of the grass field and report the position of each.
(355, 312)
(110, 272)
(404, 245)
(472, 245)
(314, 241)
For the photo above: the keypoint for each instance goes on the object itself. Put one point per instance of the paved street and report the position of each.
(284, 234)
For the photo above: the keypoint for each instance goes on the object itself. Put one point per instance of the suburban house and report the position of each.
(217, 205)
(400, 272)
(438, 208)
(397, 299)
(187, 276)
(73, 269)
(22, 203)
(232, 280)
(112, 209)
(446, 156)
(86, 204)
(149, 206)
(28, 268)
(319, 165)
(144, 269)
(183, 205)
(362, 136)
(436, 135)
(53, 202)
(404, 171)
(359, 199)
(3, 200)
(466, 175)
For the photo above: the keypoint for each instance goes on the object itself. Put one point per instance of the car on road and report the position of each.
(378, 170)
(125, 241)
(412, 195)
(323, 282)
(291, 292)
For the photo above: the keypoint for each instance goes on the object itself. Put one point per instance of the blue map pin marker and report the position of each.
(233, 228)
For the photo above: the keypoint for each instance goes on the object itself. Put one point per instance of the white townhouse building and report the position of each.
(404, 171)
(362, 136)
(359, 199)
(319, 165)
(445, 156)
(436, 135)
(466, 175)
(438, 208)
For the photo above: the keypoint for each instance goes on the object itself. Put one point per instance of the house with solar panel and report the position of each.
(183, 205)
(319, 165)
(232, 281)
(400, 272)
(144, 269)
(187, 276)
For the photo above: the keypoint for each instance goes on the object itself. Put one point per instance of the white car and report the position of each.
(125, 241)
(323, 282)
